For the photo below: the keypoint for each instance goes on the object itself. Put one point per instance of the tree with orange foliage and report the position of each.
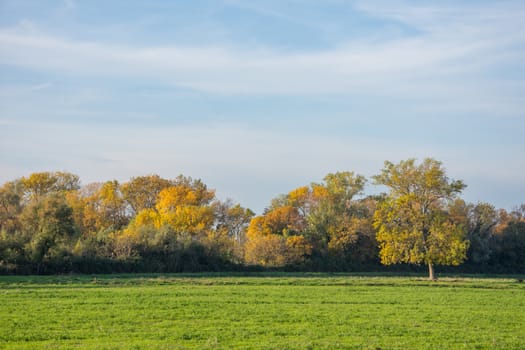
(272, 239)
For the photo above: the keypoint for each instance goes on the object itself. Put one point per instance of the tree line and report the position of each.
(49, 223)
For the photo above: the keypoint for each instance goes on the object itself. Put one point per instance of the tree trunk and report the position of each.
(431, 275)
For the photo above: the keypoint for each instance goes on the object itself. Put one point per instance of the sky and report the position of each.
(257, 98)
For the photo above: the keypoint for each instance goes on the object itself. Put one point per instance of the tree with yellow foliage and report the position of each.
(297, 249)
(413, 225)
(37, 185)
(186, 207)
(273, 238)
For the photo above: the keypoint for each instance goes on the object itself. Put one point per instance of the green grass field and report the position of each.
(268, 311)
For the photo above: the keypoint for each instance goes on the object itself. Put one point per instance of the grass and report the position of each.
(260, 311)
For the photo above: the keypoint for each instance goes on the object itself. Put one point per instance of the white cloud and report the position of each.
(449, 66)
(450, 51)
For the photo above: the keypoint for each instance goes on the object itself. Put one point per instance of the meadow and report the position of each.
(260, 311)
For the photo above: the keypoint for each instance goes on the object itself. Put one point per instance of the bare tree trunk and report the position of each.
(431, 275)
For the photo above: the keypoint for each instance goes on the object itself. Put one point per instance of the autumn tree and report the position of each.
(508, 243)
(186, 207)
(265, 249)
(337, 218)
(105, 208)
(274, 238)
(233, 219)
(480, 221)
(141, 192)
(228, 236)
(325, 219)
(48, 223)
(10, 206)
(37, 185)
(413, 224)
(183, 209)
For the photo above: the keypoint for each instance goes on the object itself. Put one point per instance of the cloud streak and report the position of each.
(443, 80)
(440, 57)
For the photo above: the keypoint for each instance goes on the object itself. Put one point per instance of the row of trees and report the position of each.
(50, 224)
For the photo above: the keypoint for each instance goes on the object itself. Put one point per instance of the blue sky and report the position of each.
(259, 97)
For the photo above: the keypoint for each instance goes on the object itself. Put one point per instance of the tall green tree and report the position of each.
(335, 221)
(508, 243)
(483, 219)
(49, 227)
(413, 224)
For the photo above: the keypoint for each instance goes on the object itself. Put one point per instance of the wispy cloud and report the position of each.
(265, 10)
(441, 57)
(41, 86)
(448, 84)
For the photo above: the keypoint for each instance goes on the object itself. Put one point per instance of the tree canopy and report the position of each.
(50, 223)
(413, 223)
